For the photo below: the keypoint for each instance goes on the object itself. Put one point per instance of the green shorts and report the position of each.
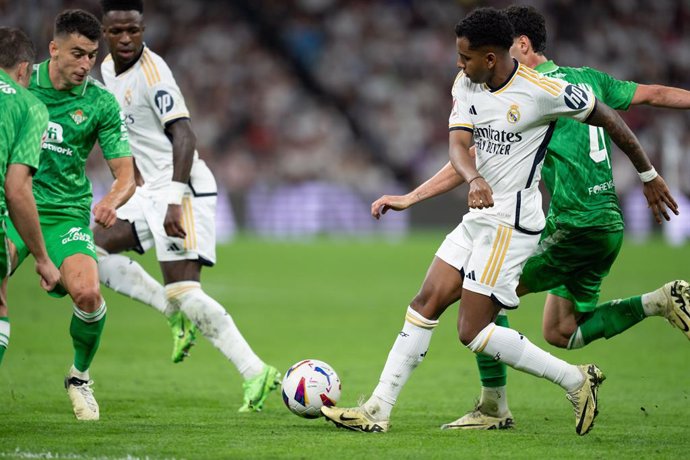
(64, 237)
(572, 262)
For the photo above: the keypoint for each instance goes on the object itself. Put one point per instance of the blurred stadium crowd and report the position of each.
(307, 110)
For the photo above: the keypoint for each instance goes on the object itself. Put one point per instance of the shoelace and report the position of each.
(87, 392)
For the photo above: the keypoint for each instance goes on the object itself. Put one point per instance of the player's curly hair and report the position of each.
(15, 48)
(486, 27)
(78, 22)
(527, 21)
(122, 5)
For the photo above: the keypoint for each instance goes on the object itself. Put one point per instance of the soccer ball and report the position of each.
(309, 385)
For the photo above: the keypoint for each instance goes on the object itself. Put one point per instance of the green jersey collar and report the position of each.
(546, 67)
(43, 80)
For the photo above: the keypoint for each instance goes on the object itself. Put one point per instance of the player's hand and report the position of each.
(173, 221)
(659, 198)
(481, 195)
(49, 274)
(386, 202)
(105, 214)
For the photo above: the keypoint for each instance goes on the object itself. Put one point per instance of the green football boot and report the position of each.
(184, 334)
(257, 389)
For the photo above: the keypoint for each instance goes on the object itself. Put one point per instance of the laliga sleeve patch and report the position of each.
(575, 97)
(164, 102)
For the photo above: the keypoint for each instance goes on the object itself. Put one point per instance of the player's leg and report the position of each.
(492, 411)
(5, 263)
(121, 273)
(566, 329)
(441, 288)
(500, 265)
(80, 278)
(183, 290)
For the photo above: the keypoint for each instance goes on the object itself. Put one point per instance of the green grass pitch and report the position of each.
(343, 302)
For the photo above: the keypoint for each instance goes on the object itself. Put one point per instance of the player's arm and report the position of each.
(444, 180)
(105, 212)
(21, 207)
(480, 194)
(655, 189)
(183, 145)
(661, 96)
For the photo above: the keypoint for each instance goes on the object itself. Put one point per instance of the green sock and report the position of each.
(491, 372)
(86, 329)
(4, 335)
(608, 320)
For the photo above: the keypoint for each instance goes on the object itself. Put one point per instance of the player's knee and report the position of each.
(87, 298)
(466, 333)
(427, 304)
(555, 337)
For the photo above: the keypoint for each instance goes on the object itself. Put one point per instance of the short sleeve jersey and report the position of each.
(23, 122)
(577, 170)
(77, 119)
(150, 100)
(511, 127)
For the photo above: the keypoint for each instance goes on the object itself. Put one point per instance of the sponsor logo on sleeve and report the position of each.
(576, 98)
(164, 102)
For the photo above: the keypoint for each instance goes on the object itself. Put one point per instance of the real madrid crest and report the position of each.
(78, 116)
(513, 114)
(128, 96)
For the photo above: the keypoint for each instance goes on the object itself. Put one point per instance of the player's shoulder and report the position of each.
(540, 83)
(154, 67)
(108, 66)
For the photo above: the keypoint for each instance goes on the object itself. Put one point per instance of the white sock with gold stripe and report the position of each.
(216, 325)
(514, 349)
(408, 351)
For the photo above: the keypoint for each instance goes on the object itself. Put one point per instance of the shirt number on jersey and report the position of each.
(597, 146)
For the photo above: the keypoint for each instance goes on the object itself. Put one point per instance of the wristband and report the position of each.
(176, 192)
(475, 177)
(648, 176)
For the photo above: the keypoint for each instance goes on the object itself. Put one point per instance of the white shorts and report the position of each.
(147, 214)
(490, 255)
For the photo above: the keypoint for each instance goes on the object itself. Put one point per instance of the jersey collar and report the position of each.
(546, 67)
(43, 80)
(508, 81)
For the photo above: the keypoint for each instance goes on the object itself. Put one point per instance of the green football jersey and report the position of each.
(577, 169)
(23, 121)
(77, 118)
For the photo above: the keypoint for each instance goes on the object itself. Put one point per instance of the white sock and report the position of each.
(518, 352)
(216, 325)
(74, 372)
(653, 303)
(408, 351)
(4, 333)
(494, 401)
(123, 275)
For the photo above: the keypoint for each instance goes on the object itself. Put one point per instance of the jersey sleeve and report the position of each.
(617, 94)
(460, 114)
(563, 99)
(27, 146)
(112, 130)
(165, 96)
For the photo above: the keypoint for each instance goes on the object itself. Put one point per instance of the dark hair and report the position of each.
(78, 22)
(486, 26)
(527, 21)
(122, 5)
(15, 47)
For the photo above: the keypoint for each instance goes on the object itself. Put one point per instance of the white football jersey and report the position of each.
(512, 126)
(150, 98)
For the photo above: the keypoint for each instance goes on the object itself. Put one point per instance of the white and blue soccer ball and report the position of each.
(309, 385)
